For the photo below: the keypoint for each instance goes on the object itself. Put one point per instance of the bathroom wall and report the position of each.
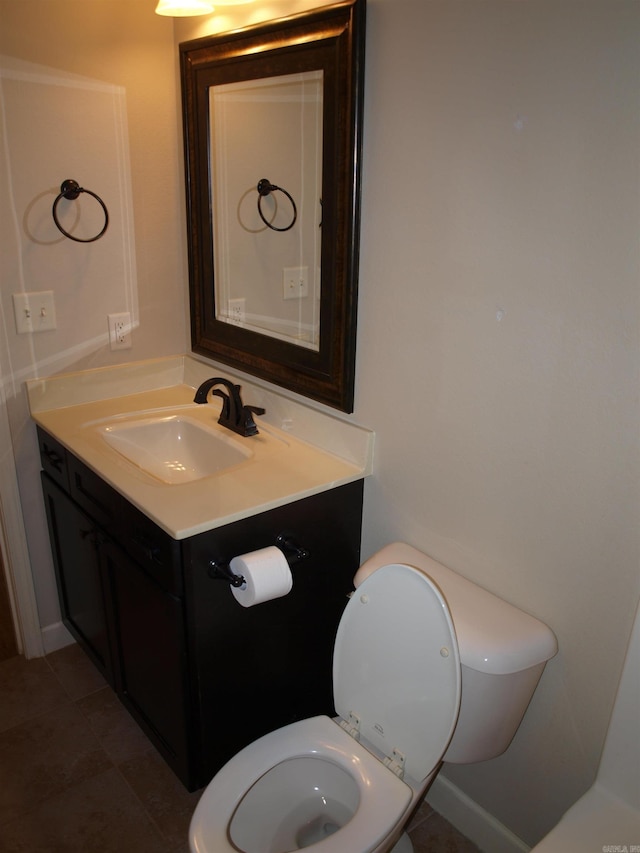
(87, 92)
(498, 321)
(498, 340)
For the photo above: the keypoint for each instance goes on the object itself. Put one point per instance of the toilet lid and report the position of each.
(396, 666)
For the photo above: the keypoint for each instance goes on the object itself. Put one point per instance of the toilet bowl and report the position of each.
(300, 786)
(352, 782)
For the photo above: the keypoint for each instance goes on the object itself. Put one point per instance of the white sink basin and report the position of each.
(175, 449)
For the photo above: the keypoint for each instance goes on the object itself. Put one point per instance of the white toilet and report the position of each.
(427, 667)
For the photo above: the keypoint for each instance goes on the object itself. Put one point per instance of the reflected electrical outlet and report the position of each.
(295, 282)
(236, 310)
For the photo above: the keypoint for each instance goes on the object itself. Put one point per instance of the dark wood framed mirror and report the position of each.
(273, 132)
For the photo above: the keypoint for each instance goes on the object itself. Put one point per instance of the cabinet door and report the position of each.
(82, 587)
(149, 625)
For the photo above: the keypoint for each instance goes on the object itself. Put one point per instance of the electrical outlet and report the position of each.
(120, 330)
(34, 312)
(235, 311)
(295, 282)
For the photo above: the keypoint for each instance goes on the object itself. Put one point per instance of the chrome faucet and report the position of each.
(234, 414)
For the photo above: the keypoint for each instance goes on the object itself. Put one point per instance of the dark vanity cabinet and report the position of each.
(202, 675)
(82, 582)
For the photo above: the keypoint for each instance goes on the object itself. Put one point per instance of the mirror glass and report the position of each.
(267, 260)
(272, 128)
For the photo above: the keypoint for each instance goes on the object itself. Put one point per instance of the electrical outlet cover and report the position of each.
(120, 330)
(236, 312)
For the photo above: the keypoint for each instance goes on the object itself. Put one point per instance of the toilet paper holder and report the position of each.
(293, 552)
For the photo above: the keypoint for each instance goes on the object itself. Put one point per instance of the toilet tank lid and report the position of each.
(494, 637)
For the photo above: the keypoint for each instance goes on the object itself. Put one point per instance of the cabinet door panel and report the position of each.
(54, 458)
(96, 497)
(153, 665)
(79, 575)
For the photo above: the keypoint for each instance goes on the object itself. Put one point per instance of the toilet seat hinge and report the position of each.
(395, 763)
(352, 725)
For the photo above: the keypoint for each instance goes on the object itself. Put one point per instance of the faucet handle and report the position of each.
(247, 424)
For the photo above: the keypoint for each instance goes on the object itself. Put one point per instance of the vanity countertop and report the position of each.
(300, 451)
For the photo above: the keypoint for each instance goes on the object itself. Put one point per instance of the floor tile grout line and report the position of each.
(114, 764)
(75, 702)
(144, 808)
(66, 689)
(37, 804)
(31, 717)
(71, 701)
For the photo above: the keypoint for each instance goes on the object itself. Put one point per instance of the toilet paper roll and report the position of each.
(266, 573)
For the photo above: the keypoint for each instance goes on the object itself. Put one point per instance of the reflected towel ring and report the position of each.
(70, 189)
(264, 188)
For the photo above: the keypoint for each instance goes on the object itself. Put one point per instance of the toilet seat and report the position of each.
(318, 737)
(396, 667)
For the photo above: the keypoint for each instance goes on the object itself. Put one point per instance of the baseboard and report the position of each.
(55, 637)
(472, 820)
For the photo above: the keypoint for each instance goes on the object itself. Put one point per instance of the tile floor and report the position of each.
(78, 776)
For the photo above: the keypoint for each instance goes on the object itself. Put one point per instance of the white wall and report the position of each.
(498, 322)
(87, 91)
(498, 338)
(500, 246)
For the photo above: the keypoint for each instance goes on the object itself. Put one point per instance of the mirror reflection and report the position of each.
(273, 142)
(266, 170)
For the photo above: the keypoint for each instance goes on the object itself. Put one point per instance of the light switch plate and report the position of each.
(34, 312)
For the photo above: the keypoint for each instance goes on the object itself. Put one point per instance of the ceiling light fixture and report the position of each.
(183, 8)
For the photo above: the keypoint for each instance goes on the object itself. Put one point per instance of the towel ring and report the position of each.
(70, 189)
(265, 187)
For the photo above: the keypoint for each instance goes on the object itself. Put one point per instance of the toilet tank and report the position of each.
(503, 652)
